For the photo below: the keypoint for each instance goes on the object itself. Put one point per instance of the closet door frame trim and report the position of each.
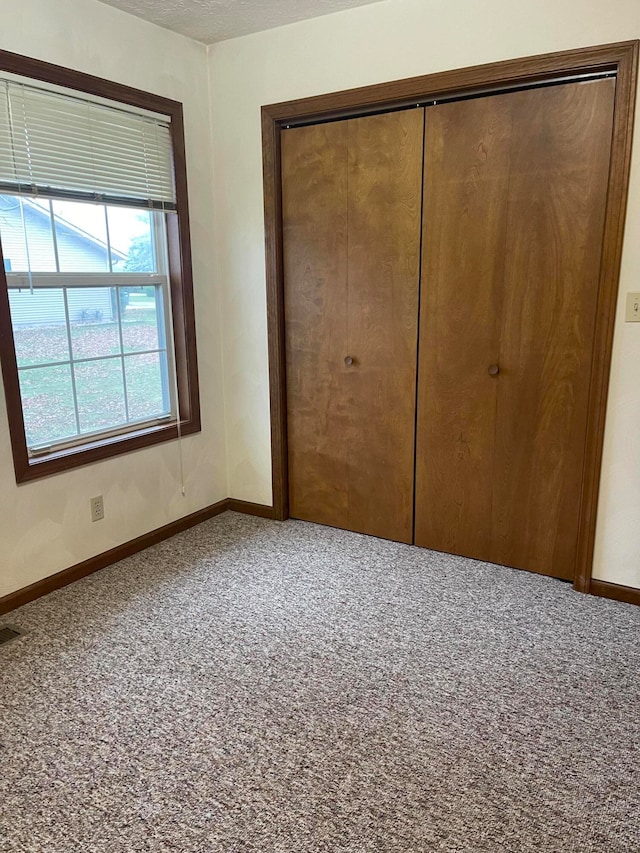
(620, 58)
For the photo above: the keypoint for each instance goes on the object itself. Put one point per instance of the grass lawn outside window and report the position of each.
(105, 397)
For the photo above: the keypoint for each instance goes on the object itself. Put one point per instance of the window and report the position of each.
(96, 323)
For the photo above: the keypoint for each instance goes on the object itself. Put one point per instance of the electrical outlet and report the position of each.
(97, 508)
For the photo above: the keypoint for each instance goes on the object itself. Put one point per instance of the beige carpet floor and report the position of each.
(289, 688)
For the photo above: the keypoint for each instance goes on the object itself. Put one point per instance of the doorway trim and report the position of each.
(619, 58)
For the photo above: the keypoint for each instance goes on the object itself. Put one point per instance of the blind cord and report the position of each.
(26, 245)
(15, 171)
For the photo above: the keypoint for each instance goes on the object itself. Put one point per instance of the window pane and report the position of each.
(100, 392)
(47, 404)
(39, 328)
(25, 230)
(93, 315)
(81, 235)
(91, 304)
(131, 240)
(141, 309)
(147, 386)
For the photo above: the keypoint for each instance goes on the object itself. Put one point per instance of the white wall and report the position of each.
(372, 44)
(45, 526)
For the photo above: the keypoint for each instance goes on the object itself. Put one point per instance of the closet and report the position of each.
(441, 269)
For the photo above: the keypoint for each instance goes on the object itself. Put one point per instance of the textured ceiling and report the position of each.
(209, 21)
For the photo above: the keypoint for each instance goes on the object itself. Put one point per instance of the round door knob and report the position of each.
(348, 360)
(494, 369)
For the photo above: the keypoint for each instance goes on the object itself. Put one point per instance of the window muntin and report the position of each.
(92, 349)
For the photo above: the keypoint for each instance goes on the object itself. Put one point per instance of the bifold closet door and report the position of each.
(351, 200)
(514, 203)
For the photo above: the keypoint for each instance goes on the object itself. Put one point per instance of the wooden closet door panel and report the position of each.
(351, 213)
(384, 212)
(557, 199)
(466, 177)
(314, 214)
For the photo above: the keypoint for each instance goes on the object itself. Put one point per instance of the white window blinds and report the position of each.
(65, 146)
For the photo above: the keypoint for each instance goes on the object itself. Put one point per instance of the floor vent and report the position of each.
(8, 633)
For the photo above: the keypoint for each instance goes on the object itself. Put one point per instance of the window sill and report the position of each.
(29, 469)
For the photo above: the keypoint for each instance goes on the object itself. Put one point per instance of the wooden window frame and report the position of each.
(180, 288)
(619, 58)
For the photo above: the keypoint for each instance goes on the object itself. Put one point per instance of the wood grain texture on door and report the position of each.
(500, 458)
(555, 219)
(314, 216)
(351, 218)
(466, 182)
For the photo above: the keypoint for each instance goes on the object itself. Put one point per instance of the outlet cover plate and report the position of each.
(97, 508)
